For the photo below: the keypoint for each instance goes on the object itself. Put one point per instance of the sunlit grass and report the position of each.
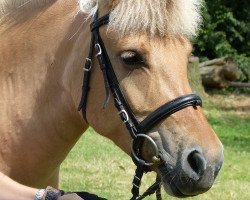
(98, 166)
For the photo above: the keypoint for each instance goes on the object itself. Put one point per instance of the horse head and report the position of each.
(147, 44)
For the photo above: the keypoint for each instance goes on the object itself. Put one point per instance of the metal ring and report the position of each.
(144, 136)
(90, 67)
(98, 49)
(126, 116)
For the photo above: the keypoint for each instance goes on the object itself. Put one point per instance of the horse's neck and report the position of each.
(39, 60)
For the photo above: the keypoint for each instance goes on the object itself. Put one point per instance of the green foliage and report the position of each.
(226, 32)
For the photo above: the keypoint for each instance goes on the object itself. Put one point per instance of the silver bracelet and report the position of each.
(39, 194)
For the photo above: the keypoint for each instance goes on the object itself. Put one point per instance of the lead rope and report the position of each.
(158, 191)
(155, 188)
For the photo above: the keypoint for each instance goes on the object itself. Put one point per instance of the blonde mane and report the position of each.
(162, 17)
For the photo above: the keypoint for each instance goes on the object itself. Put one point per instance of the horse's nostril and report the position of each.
(197, 162)
(196, 165)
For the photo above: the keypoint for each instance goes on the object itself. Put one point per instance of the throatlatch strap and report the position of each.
(86, 77)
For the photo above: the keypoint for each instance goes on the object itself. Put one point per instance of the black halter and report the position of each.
(138, 130)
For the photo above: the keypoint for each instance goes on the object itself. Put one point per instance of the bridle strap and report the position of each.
(155, 188)
(86, 79)
(136, 129)
(112, 79)
(168, 109)
(97, 23)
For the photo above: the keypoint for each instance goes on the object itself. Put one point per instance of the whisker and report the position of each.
(166, 173)
(24, 4)
(81, 25)
(171, 181)
(77, 31)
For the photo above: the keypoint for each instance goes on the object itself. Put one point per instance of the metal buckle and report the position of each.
(98, 49)
(90, 66)
(126, 119)
(134, 154)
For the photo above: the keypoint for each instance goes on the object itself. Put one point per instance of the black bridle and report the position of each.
(138, 130)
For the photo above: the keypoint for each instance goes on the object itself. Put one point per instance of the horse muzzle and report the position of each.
(192, 173)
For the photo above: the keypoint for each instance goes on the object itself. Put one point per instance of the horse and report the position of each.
(145, 45)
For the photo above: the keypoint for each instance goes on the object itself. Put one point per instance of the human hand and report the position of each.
(54, 194)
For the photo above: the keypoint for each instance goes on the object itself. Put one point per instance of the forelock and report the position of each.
(163, 17)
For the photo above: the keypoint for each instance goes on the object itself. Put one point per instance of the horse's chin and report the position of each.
(171, 187)
(172, 190)
(168, 182)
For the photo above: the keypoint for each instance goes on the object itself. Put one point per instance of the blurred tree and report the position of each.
(226, 32)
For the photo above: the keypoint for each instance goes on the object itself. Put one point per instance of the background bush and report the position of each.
(226, 32)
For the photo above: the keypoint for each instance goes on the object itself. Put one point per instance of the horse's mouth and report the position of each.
(168, 181)
(176, 184)
(174, 190)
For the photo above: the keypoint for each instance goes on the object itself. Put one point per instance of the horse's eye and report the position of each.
(131, 58)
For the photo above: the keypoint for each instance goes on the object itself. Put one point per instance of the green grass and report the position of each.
(98, 166)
